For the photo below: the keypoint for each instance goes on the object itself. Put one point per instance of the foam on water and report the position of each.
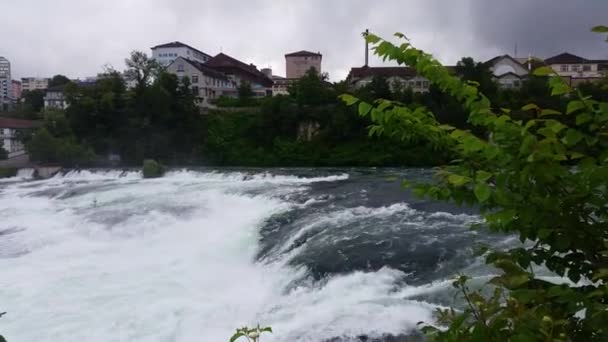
(113, 257)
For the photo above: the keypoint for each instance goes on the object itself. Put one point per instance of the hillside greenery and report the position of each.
(159, 119)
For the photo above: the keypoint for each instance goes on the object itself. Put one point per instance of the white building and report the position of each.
(5, 84)
(509, 72)
(9, 138)
(578, 69)
(34, 83)
(165, 54)
(55, 98)
(395, 77)
(208, 84)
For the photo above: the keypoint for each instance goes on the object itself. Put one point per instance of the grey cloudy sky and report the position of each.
(78, 37)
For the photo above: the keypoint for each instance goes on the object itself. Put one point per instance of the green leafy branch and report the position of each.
(251, 334)
(543, 179)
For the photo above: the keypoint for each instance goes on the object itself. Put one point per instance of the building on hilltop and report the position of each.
(55, 97)
(577, 69)
(9, 138)
(509, 72)
(34, 83)
(165, 54)
(6, 85)
(240, 72)
(207, 83)
(395, 76)
(297, 64)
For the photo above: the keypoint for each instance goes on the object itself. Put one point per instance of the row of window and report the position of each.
(575, 67)
(167, 55)
(214, 81)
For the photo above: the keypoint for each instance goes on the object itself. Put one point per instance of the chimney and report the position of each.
(529, 62)
(366, 48)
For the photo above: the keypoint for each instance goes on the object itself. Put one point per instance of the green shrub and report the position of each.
(542, 179)
(6, 172)
(153, 169)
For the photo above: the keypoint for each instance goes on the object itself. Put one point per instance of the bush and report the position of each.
(543, 179)
(7, 172)
(153, 169)
(46, 148)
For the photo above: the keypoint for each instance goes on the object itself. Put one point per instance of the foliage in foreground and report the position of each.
(251, 334)
(543, 178)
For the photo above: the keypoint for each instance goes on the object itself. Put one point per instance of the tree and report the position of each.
(543, 179)
(245, 93)
(142, 69)
(58, 80)
(34, 99)
(312, 89)
(469, 70)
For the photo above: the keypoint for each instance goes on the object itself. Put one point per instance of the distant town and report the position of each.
(212, 77)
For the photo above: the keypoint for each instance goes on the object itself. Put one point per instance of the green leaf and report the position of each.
(236, 336)
(583, 118)
(555, 126)
(544, 233)
(401, 35)
(602, 273)
(482, 176)
(544, 71)
(364, 108)
(572, 137)
(560, 89)
(549, 112)
(530, 106)
(458, 180)
(482, 192)
(348, 99)
(371, 38)
(600, 29)
(574, 106)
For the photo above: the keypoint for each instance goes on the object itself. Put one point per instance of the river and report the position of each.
(318, 254)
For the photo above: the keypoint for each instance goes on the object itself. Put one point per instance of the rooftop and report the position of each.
(18, 123)
(205, 69)
(177, 44)
(404, 72)
(222, 60)
(304, 53)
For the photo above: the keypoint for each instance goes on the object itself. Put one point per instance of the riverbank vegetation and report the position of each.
(109, 124)
(538, 171)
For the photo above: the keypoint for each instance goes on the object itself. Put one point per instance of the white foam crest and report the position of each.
(22, 175)
(347, 306)
(95, 175)
(265, 177)
(344, 216)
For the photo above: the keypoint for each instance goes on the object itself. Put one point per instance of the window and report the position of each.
(194, 79)
(418, 84)
(195, 90)
(516, 83)
(576, 68)
(180, 68)
(425, 84)
(564, 68)
(586, 67)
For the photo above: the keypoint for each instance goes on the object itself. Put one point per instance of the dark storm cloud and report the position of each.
(79, 37)
(543, 28)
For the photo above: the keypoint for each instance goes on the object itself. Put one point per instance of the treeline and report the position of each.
(159, 119)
